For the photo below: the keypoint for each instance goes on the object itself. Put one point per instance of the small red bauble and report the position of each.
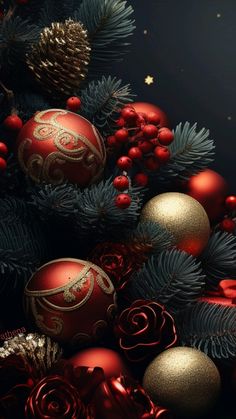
(153, 118)
(228, 225)
(73, 103)
(57, 146)
(70, 300)
(165, 136)
(135, 153)
(150, 131)
(123, 200)
(124, 163)
(121, 183)
(122, 135)
(3, 149)
(151, 163)
(13, 123)
(146, 108)
(230, 203)
(210, 189)
(145, 146)
(141, 179)
(3, 164)
(110, 361)
(162, 154)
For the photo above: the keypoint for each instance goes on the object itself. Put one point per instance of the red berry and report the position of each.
(228, 225)
(151, 163)
(122, 135)
(13, 123)
(153, 118)
(129, 114)
(150, 131)
(123, 200)
(135, 153)
(165, 136)
(120, 122)
(162, 154)
(3, 148)
(121, 183)
(73, 103)
(111, 141)
(145, 146)
(141, 179)
(124, 163)
(3, 164)
(230, 203)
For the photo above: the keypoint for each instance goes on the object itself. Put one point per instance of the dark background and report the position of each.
(190, 50)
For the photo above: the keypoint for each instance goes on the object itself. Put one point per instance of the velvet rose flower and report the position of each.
(145, 329)
(54, 397)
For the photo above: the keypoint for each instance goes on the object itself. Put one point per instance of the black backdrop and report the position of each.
(189, 47)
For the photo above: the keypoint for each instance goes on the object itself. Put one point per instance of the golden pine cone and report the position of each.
(60, 59)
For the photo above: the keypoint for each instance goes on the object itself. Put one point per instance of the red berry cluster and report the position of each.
(228, 224)
(143, 145)
(3, 153)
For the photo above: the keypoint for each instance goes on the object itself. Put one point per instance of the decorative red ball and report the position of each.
(121, 183)
(3, 164)
(145, 146)
(146, 108)
(124, 163)
(165, 136)
(228, 225)
(3, 149)
(123, 200)
(162, 154)
(141, 179)
(57, 146)
(210, 189)
(73, 103)
(151, 163)
(122, 135)
(230, 203)
(110, 361)
(135, 153)
(13, 123)
(150, 131)
(70, 300)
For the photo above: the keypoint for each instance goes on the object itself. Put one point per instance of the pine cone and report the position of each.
(60, 59)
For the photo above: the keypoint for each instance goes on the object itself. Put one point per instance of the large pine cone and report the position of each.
(60, 59)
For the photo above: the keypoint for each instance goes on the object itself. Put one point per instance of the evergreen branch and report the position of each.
(191, 152)
(102, 100)
(174, 279)
(211, 328)
(108, 23)
(219, 258)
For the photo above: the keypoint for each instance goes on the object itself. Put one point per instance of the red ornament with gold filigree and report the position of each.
(57, 145)
(70, 300)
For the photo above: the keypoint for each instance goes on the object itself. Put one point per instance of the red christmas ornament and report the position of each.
(57, 145)
(70, 300)
(3, 149)
(151, 163)
(150, 131)
(135, 153)
(73, 104)
(123, 200)
(230, 203)
(162, 154)
(121, 183)
(110, 361)
(124, 163)
(165, 136)
(122, 135)
(147, 108)
(13, 123)
(141, 179)
(228, 225)
(210, 189)
(3, 164)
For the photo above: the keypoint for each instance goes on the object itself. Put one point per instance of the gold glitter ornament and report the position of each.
(184, 380)
(40, 351)
(60, 59)
(183, 217)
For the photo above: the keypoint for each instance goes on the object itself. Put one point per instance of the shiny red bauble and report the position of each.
(122, 135)
(110, 361)
(230, 203)
(73, 103)
(162, 154)
(146, 108)
(150, 131)
(165, 136)
(56, 146)
(153, 118)
(13, 123)
(210, 189)
(135, 153)
(121, 183)
(70, 300)
(124, 163)
(123, 200)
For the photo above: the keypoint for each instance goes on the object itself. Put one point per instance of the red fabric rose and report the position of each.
(145, 329)
(54, 397)
(117, 261)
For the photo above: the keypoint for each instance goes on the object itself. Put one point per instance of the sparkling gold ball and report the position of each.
(184, 380)
(183, 217)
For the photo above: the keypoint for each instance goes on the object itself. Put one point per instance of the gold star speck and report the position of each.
(149, 80)
(218, 15)
(145, 31)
